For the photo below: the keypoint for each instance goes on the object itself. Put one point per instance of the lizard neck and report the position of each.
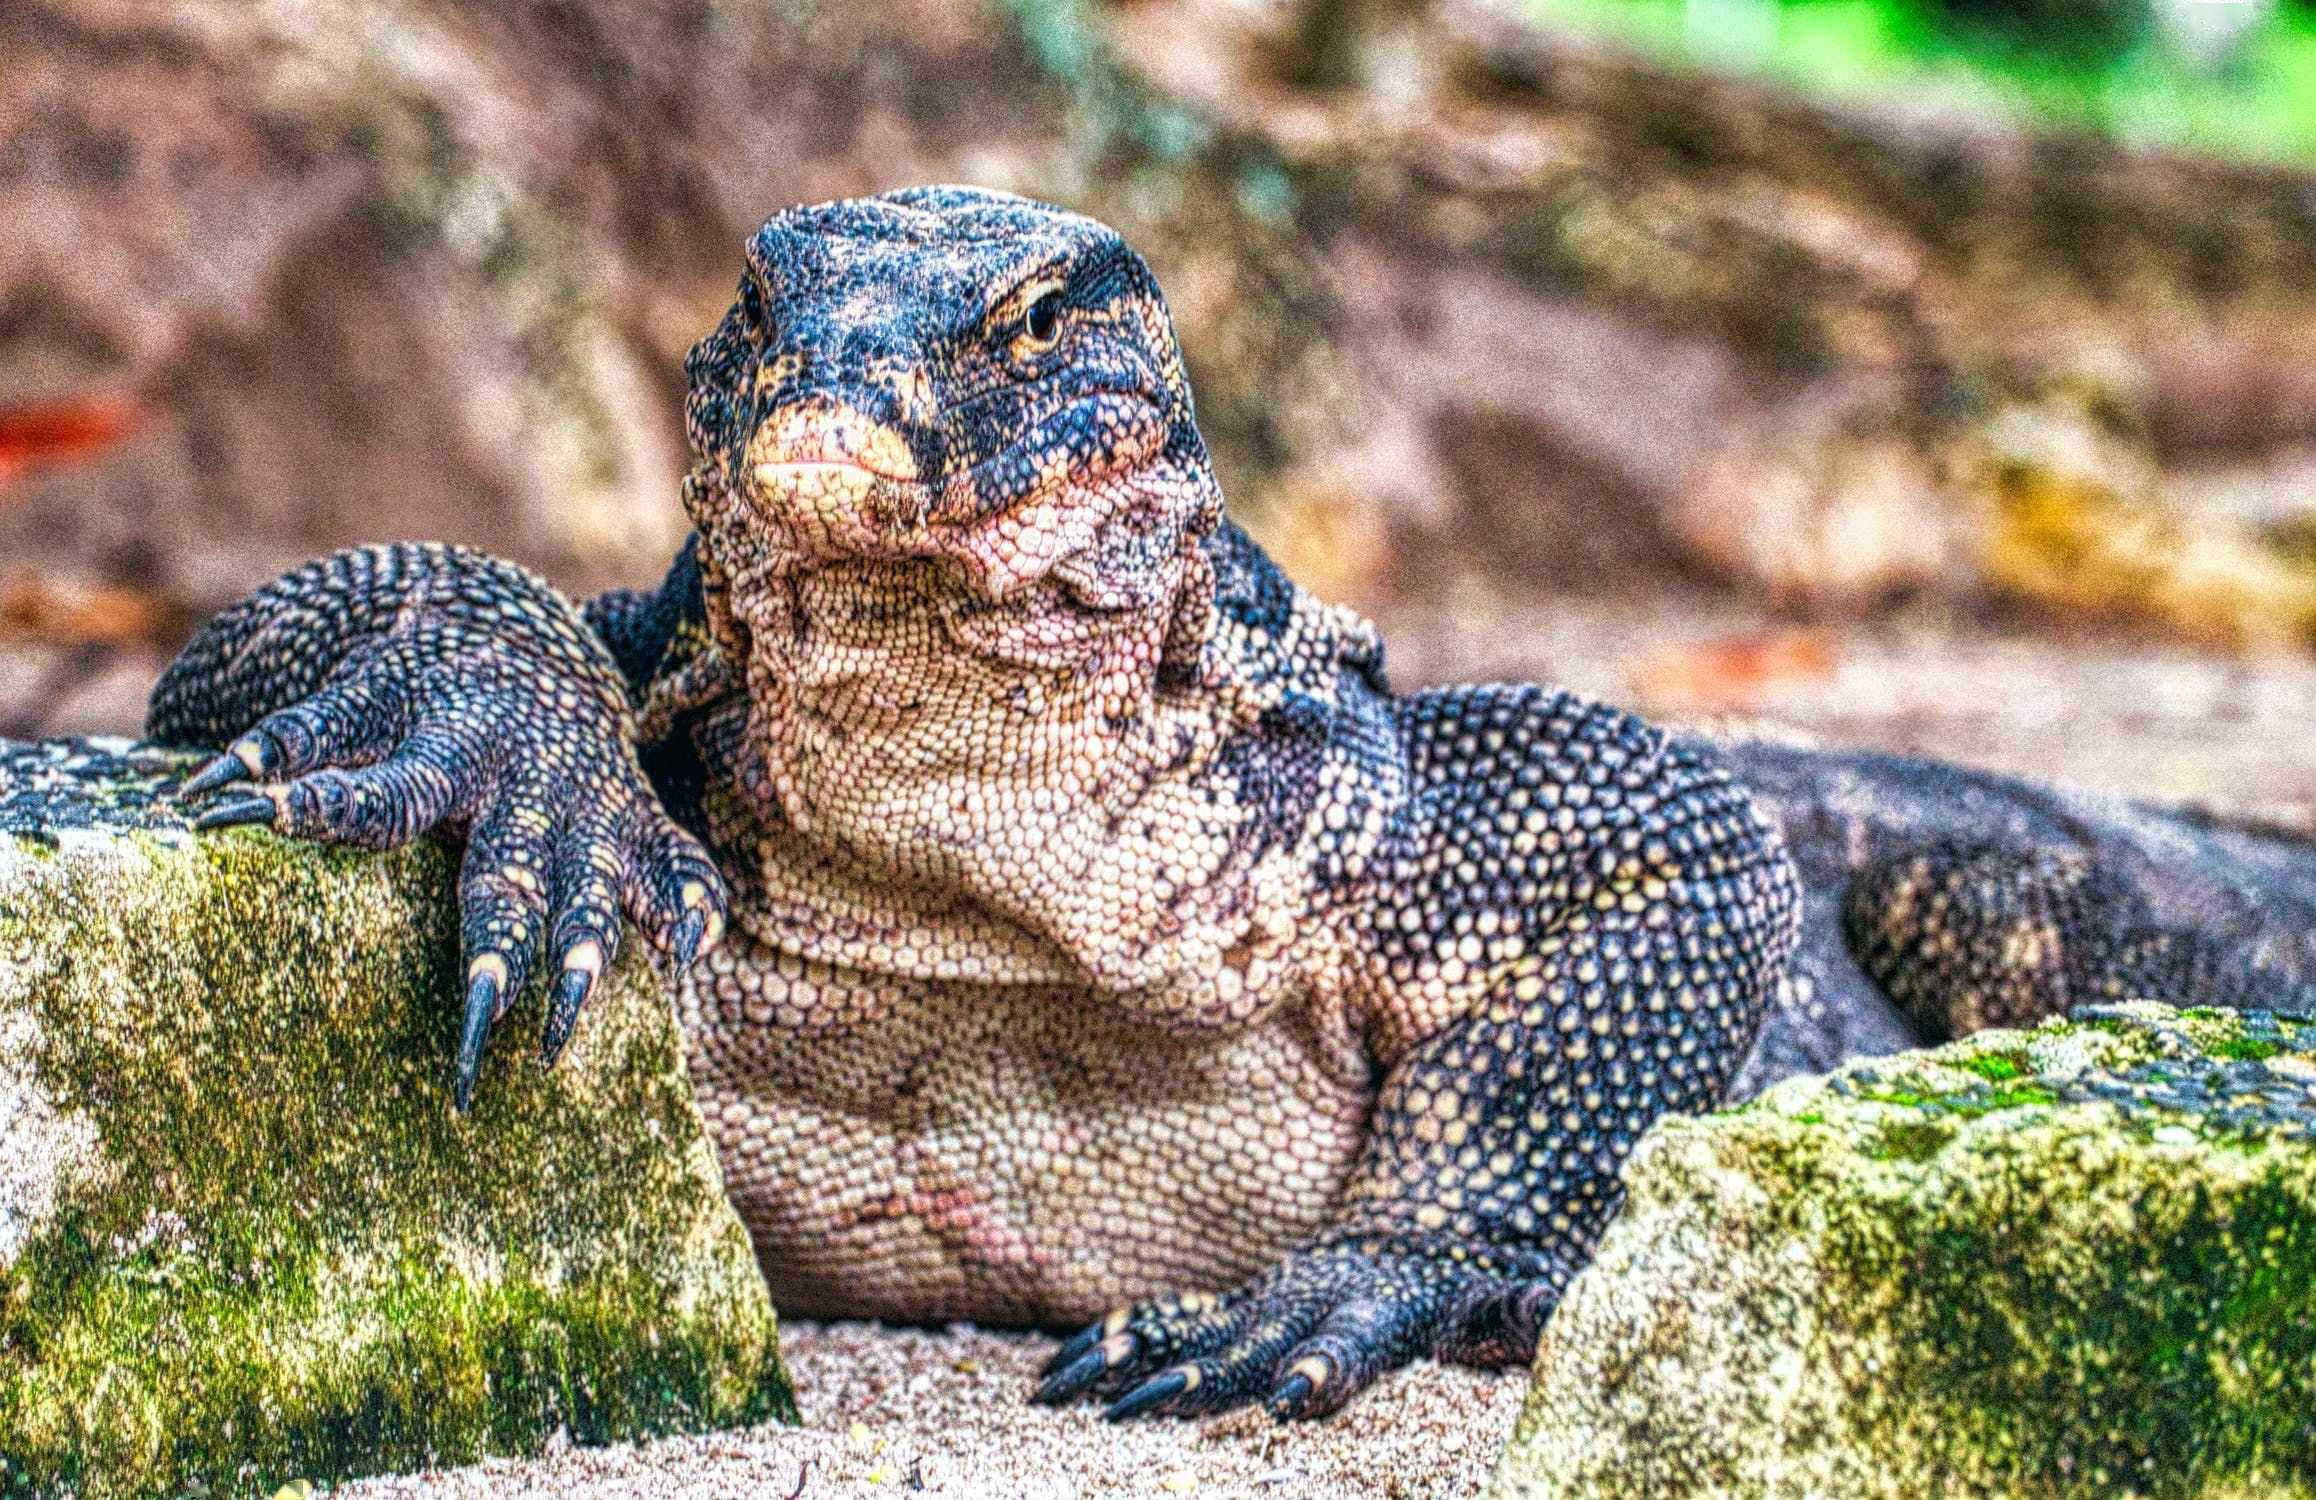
(1046, 821)
(905, 720)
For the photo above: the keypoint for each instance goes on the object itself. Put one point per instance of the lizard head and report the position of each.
(952, 403)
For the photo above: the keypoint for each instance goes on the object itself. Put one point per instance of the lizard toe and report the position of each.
(670, 886)
(1315, 1330)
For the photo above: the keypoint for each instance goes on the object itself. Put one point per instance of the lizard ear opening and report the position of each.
(1185, 656)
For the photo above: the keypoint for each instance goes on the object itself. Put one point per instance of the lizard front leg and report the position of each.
(1581, 925)
(375, 694)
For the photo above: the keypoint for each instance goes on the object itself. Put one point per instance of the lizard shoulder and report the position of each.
(1535, 815)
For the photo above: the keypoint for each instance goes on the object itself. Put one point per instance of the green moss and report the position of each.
(1885, 1095)
(1968, 1102)
(2072, 1262)
(287, 1256)
(1910, 1140)
(2015, 1098)
(1997, 1067)
(244, 1381)
(2114, 1367)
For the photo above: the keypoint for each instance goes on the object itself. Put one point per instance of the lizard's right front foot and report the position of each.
(1314, 1330)
(530, 753)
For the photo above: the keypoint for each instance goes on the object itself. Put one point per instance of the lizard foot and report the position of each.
(563, 832)
(1314, 1331)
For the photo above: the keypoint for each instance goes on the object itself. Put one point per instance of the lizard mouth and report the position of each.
(826, 430)
(835, 484)
(826, 508)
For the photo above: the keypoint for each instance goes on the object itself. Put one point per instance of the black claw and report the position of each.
(689, 934)
(1287, 1399)
(240, 810)
(1072, 1381)
(570, 994)
(482, 1003)
(1152, 1392)
(1079, 1343)
(223, 771)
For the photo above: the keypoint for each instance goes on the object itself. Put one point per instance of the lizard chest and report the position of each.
(913, 1148)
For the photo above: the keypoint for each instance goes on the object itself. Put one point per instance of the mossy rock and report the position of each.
(2079, 1260)
(244, 1238)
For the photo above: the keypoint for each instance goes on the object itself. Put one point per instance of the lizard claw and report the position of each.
(223, 771)
(1151, 1394)
(1287, 1397)
(1085, 1371)
(236, 812)
(1077, 1344)
(482, 1008)
(563, 1013)
(688, 935)
(1071, 1380)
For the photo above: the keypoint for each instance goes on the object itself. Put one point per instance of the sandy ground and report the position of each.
(900, 1411)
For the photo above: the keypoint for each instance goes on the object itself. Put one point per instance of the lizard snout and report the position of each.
(834, 477)
(830, 430)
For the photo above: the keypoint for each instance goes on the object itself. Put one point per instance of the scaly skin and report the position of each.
(1939, 900)
(1103, 931)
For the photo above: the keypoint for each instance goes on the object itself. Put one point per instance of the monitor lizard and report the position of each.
(1066, 917)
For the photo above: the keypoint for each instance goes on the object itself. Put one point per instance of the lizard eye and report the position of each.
(1040, 324)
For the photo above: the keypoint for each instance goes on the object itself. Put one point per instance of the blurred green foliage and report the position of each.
(2127, 70)
(1064, 41)
(2084, 32)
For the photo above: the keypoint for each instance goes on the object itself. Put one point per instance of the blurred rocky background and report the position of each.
(1937, 374)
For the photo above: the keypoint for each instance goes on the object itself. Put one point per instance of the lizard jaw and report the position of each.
(827, 508)
(822, 482)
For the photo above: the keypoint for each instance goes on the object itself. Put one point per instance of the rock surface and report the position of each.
(2074, 1261)
(245, 1240)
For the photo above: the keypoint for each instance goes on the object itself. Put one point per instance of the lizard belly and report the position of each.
(918, 1150)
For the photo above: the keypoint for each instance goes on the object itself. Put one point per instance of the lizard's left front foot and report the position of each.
(1314, 1331)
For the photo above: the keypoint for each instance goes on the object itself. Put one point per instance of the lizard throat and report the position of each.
(899, 714)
